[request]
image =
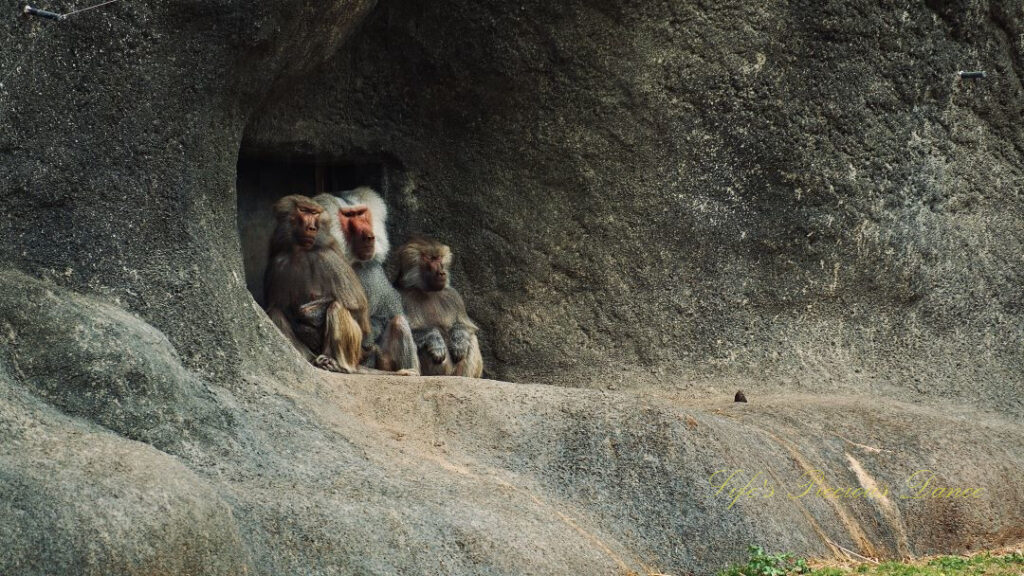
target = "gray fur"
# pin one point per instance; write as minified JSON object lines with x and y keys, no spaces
{"x":432,"y":343}
{"x":385,"y":304}
{"x":462,"y":339}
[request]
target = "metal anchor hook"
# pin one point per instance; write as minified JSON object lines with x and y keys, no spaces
{"x":30,"y":11}
{"x":40,"y":13}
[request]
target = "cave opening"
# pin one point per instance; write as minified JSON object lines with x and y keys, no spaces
{"x":262,"y":179}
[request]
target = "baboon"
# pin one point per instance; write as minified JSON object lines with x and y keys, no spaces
{"x":444,"y":334}
{"x":312,"y":294}
{"x":362,"y":233}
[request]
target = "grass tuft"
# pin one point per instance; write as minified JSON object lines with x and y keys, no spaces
{"x":985,"y":564}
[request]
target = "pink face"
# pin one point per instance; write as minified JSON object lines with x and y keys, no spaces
{"x":357,"y":225}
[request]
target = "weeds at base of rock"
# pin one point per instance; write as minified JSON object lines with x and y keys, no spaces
{"x":982,"y":564}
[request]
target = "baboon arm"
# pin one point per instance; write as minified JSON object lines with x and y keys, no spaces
{"x":377,"y":326}
{"x":285,"y":326}
{"x":462,"y":340}
{"x":362,"y":316}
{"x":398,"y":348}
{"x":472,"y":365}
{"x":372,"y":338}
{"x":459,"y":307}
{"x":313,"y":312}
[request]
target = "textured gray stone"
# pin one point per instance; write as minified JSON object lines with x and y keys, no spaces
{"x":800,"y":192}
{"x":675,"y":200}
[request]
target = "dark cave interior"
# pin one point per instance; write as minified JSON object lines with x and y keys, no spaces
{"x":263,"y":179}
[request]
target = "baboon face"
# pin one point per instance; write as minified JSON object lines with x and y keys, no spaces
{"x":424,"y":265}
{"x":357,"y":225}
{"x":305,"y":221}
{"x":433,"y":272}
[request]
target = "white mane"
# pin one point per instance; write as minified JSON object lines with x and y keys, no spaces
{"x":366,"y":196}
{"x":362,"y":196}
{"x":331,"y":204}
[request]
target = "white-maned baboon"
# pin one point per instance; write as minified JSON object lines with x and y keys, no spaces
{"x":361,"y":232}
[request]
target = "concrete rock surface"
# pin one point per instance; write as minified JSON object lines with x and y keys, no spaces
{"x":651,"y":205}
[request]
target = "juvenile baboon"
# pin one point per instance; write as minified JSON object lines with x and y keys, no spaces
{"x":362,"y":233}
{"x":444,"y":334}
{"x":312,"y":294}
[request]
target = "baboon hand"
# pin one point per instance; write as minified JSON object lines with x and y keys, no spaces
{"x":461,"y":341}
{"x":435,"y":347}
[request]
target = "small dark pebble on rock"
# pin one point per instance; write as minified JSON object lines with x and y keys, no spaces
{"x":740,"y":397}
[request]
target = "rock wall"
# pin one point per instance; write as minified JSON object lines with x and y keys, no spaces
{"x":674,"y":198}
{"x":119,"y":144}
{"x":681,"y":194}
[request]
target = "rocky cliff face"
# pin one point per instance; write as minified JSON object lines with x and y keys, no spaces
{"x":671,"y":199}
{"x":804,"y":193}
